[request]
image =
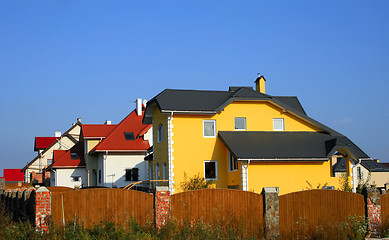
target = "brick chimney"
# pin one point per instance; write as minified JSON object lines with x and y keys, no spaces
{"x":260,"y":84}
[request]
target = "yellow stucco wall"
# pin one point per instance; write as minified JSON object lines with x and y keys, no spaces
{"x":160,"y":148}
{"x":191,"y":149}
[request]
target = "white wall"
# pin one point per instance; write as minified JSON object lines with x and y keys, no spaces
{"x":64,"y":177}
{"x":117,"y":164}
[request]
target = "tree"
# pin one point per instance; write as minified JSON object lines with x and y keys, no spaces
{"x":194,"y":183}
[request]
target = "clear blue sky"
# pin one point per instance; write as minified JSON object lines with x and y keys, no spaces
{"x":60,"y":60}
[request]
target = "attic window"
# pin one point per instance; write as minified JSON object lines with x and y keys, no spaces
{"x":129,"y":135}
{"x":73,"y":155}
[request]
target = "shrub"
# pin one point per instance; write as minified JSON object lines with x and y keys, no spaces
{"x":194,"y":183}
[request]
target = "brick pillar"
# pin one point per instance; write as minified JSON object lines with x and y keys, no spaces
{"x":271,"y":209}
{"x":373,"y":208}
{"x":42,"y":208}
{"x":162,"y":206}
{"x":2,"y":183}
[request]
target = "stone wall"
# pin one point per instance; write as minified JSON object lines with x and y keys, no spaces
{"x":162,"y":206}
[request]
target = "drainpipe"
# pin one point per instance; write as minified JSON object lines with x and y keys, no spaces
{"x":105,"y":167}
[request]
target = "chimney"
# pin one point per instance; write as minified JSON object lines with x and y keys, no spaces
{"x":57,"y":134}
{"x":260,"y":84}
{"x":139,"y":106}
{"x":107,"y":122}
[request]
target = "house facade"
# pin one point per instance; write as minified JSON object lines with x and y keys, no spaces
{"x":33,"y":171}
{"x":243,"y":139}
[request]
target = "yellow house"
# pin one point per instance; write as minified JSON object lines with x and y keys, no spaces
{"x":243,"y":139}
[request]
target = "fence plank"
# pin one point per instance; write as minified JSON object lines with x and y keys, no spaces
{"x":306,"y":210}
{"x":98,"y":205}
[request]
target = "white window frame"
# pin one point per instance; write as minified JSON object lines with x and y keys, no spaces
{"x":216,"y":173}
{"x":283,"y":124}
{"x":214,"y":131}
{"x":245,"y":124}
{"x":160,"y":133}
{"x":230,"y":163}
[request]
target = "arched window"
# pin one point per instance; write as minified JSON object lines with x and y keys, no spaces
{"x":164,"y":171}
{"x":160,"y":133}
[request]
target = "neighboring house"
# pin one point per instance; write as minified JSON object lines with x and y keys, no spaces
{"x":68,"y":168}
{"x":13,"y":175}
{"x":33,"y":171}
{"x":115,"y":153}
{"x":367,"y":171}
{"x":243,"y":139}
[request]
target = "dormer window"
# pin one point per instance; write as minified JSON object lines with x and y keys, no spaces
{"x":129,"y":136}
{"x":160,"y":133}
{"x":74,"y":156}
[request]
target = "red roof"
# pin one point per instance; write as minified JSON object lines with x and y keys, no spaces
{"x":96,"y":130}
{"x":13,"y":175}
{"x":116,"y":140}
{"x":71,"y":158}
{"x":43,"y":142}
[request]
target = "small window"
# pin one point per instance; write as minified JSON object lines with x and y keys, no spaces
{"x":210,"y":170}
{"x":157,"y":171}
{"x":76,"y":179}
{"x":240,"y":123}
{"x":132,"y":174}
{"x":49,"y":162}
{"x":209,"y":127}
{"x":232,"y":162}
{"x":99,"y":175}
{"x":151,"y":173}
{"x":160,"y":133}
{"x":73,"y":156}
{"x":129,"y":136}
{"x":359,"y":174}
{"x":278,"y":124}
{"x":164,"y":169}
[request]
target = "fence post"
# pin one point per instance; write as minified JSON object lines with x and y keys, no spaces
{"x":162,"y":206}
{"x":373,"y":208}
{"x":271,"y":212}
{"x":42,"y":208}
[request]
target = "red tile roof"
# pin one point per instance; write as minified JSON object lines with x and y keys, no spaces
{"x":96,"y":130}
{"x":116,"y":140}
{"x":13,"y":175}
{"x":63,"y":158}
{"x":43,"y":142}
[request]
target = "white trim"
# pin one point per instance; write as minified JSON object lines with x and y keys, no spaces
{"x":170,"y":151}
{"x":283,"y":159}
{"x":244,"y":176}
{"x":214,"y":129}
{"x":245,"y":124}
{"x":216,"y":172}
{"x":283,"y":124}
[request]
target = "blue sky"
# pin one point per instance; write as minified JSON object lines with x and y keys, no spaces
{"x":61,"y":60}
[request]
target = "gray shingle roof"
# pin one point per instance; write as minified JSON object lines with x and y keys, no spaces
{"x":370,"y":165}
{"x":279,"y":145}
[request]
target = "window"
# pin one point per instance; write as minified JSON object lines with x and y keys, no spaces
{"x":151,"y":173}
{"x":132,"y":174}
{"x":240,"y":123}
{"x":209,"y":128}
{"x":157,"y":171}
{"x":232,"y":162}
{"x":164,"y":169}
{"x":76,"y":179}
{"x":74,"y":156}
{"x":359,"y":175}
{"x":160,"y":133}
{"x":129,"y":136}
{"x":99,"y":175}
{"x":210,"y":170}
{"x":49,"y":162}
{"x":278,"y":124}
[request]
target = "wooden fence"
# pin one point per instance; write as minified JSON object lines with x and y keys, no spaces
{"x":92,"y":206}
{"x":305,"y":210}
{"x":385,"y":210}
{"x":221,"y":206}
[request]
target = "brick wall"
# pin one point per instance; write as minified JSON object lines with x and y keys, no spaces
{"x":162,"y":206}
{"x":42,"y":208}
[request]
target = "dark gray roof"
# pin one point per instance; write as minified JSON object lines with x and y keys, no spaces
{"x":370,"y":165}
{"x":291,"y":101}
{"x":279,"y":145}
